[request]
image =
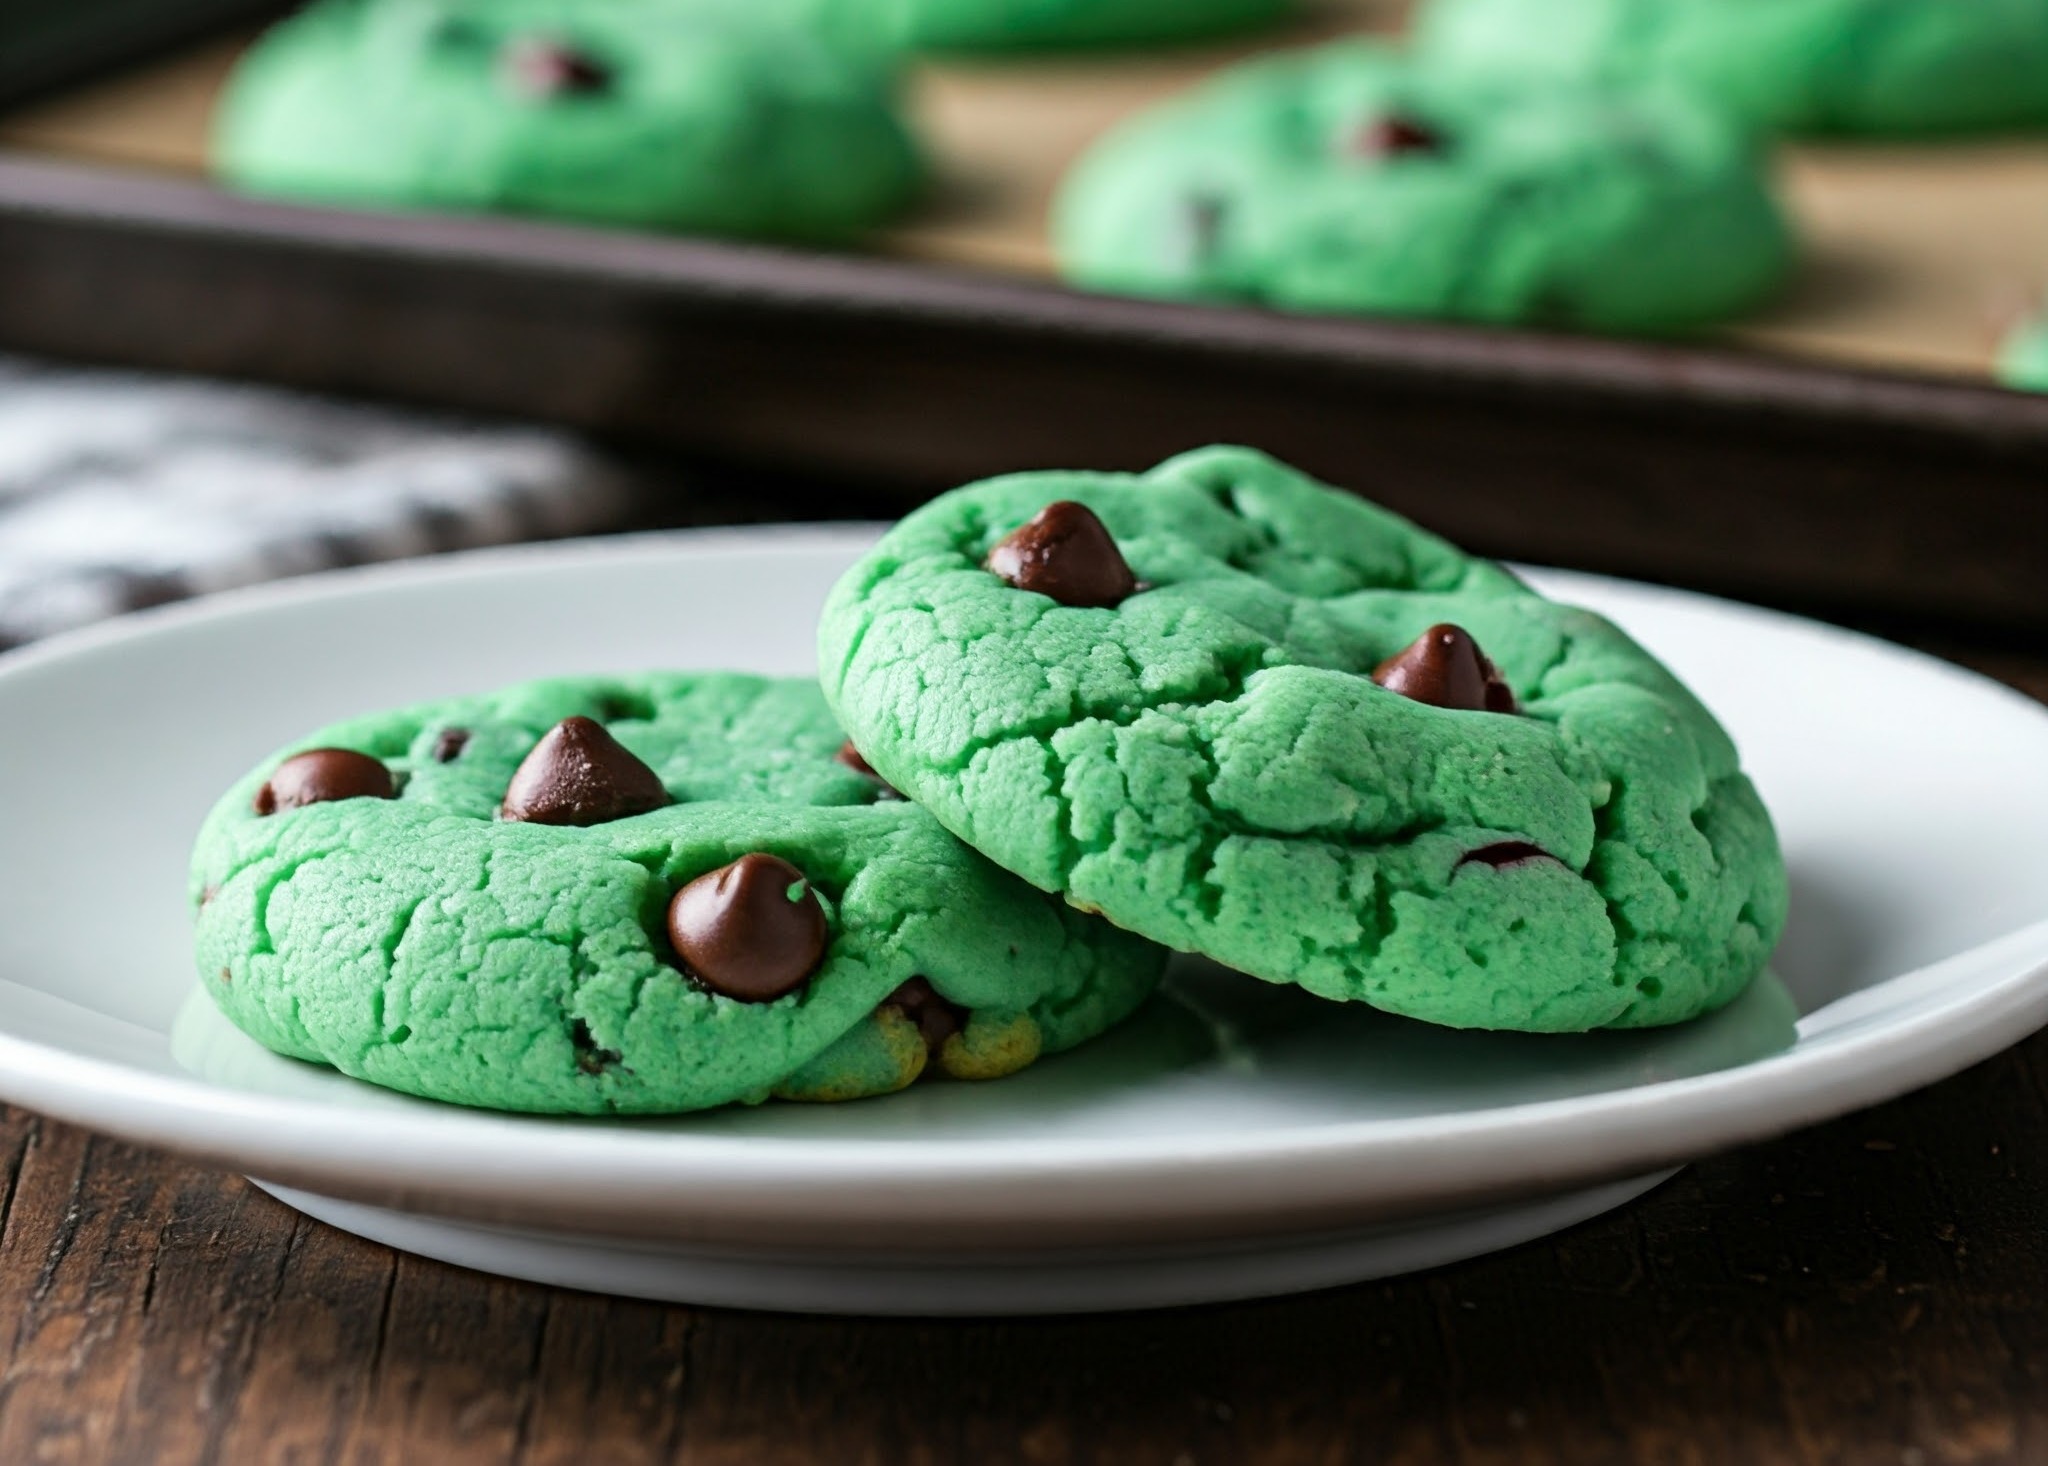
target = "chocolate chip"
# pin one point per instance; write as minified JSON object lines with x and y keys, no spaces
{"x":1391,"y":135}
{"x":1507,"y":852}
{"x":937,"y":1019}
{"x":321,"y":775}
{"x":226,"y":975}
{"x":1066,"y":553}
{"x":449,"y":743}
{"x":1445,"y":668}
{"x":578,"y":774}
{"x":206,"y":896}
{"x":752,"y":930}
{"x":543,"y":69}
{"x":851,"y":757}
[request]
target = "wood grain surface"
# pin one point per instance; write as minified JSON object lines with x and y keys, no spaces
{"x":1917,"y":256}
{"x":1866,"y":1292}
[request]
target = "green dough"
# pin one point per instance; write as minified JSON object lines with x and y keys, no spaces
{"x":2023,"y":359}
{"x":1597,"y":209}
{"x":705,"y":117}
{"x":422,"y":944}
{"x":1210,"y":763}
{"x":886,"y":26}
{"x":1854,"y":66}
{"x":982,"y":25}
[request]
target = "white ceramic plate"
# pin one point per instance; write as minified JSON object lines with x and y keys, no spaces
{"x":1235,"y":1138}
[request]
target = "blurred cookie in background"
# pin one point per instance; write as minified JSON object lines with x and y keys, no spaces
{"x":1805,"y":66}
{"x":700,"y":116}
{"x":1348,"y":178}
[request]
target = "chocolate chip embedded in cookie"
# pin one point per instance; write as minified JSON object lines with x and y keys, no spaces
{"x":541,"y":69}
{"x":853,"y":759}
{"x":752,"y":930}
{"x":1064,"y":552}
{"x":936,"y":1019}
{"x":1391,"y":135}
{"x":320,"y":775}
{"x":578,"y":774}
{"x":1445,"y":668}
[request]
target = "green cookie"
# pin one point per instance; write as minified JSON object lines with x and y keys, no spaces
{"x":1855,"y":66}
{"x":1346,"y":179}
{"x":1208,"y":760}
{"x":987,"y":25}
{"x":670,"y":114}
{"x":426,"y":943}
{"x":2023,"y":359}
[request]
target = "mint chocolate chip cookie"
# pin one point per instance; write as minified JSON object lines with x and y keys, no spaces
{"x":1246,"y":715}
{"x":1348,"y":179}
{"x":630,"y":896}
{"x":1818,"y":66}
{"x":665,"y":114}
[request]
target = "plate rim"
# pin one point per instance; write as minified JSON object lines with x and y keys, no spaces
{"x":1356,"y":1167}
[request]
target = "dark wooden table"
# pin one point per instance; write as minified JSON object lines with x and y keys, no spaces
{"x":1869,"y":1291}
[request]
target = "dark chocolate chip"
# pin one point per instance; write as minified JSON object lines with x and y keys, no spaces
{"x":1391,"y":135}
{"x":752,"y":930}
{"x":1445,"y":668}
{"x":544,"y":69}
{"x":449,"y":743}
{"x":226,"y":975}
{"x":851,"y":757}
{"x":937,"y":1018}
{"x":320,"y":775}
{"x":1066,"y":553}
{"x":206,"y":896}
{"x":1506,"y":852}
{"x":578,"y":774}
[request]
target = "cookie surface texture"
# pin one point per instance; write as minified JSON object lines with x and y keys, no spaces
{"x":1346,"y":179}
{"x":1815,"y":66}
{"x":662,"y":114}
{"x":1532,"y":825}
{"x":503,"y":922}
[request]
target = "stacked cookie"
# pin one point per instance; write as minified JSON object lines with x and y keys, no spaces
{"x":1217,"y":708}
